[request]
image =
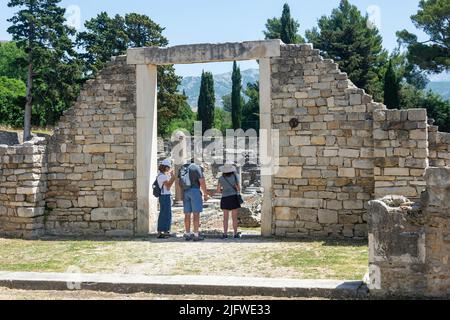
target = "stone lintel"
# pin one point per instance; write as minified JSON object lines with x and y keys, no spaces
{"x":205,"y":52}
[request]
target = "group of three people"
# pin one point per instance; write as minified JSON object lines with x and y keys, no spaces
{"x":194,"y":195}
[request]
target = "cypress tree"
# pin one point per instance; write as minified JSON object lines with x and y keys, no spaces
{"x":288,"y":28}
{"x":236,"y":100}
{"x":206,"y":101}
{"x":391,"y":88}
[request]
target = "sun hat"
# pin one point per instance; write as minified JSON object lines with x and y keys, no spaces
{"x":166,"y":163}
{"x":227,"y":168}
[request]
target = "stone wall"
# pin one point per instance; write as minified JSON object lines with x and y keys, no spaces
{"x":409,"y":243}
{"x":91,"y":181}
{"x":400,"y":152}
{"x":326,"y":166}
{"x":439,"y":144}
{"x":23,"y":183}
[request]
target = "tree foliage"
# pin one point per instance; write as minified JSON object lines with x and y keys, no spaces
{"x":391,"y":88}
{"x":236,"y":97}
{"x":250,"y":111}
{"x":346,"y":37}
{"x":206,"y":101}
{"x":12,"y":61}
{"x":12,"y":100}
{"x":53,"y":68}
{"x":107,"y":36}
{"x":433,"y":18}
{"x":284,"y":28}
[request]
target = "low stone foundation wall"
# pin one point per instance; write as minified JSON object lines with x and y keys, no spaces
{"x":23,"y":183}
{"x":409,"y":243}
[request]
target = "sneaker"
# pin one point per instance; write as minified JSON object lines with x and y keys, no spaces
{"x":161,"y":236}
{"x":199,"y":238}
{"x":224,"y":236}
{"x":237,"y":235}
{"x":187,"y":237}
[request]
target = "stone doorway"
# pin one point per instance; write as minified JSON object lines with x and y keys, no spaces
{"x":146,"y":61}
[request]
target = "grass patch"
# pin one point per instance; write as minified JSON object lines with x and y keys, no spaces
{"x":251,"y":258}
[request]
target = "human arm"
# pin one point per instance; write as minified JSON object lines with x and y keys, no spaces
{"x":169,"y":183}
{"x":203,"y":188}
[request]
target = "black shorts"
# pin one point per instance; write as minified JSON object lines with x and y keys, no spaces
{"x":230,"y":203}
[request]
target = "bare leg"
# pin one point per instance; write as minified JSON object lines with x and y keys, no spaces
{"x":196,"y":222}
{"x":187,"y":223}
{"x":225,"y":221}
{"x":235,"y":220}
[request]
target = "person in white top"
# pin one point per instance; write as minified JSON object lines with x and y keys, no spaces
{"x":165,"y":179}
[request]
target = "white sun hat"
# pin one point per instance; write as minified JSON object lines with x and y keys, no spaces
{"x":227,"y":168}
{"x":166,"y":163}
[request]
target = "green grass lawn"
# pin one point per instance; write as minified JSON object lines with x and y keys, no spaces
{"x":246,"y":257}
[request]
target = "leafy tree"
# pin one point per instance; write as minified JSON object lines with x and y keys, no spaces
{"x":346,"y":37}
{"x":39,"y":29}
{"x":433,"y":18}
{"x":284,"y":28}
{"x":437,"y":108}
{"x":206,"y":101}
{"x":250,"y":111}
{"x":391,"y":88}
{"x":226,"y":99}
{"x":12,"y":99}
{"x":12,"y":61}
{"x":236,"y":98}
{"x":106,"y":37}
{"x":222,"y":120}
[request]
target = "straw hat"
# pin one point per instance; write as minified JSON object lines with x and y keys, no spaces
{"x":227,"y":168}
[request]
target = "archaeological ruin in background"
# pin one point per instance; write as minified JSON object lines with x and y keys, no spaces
{"x":338,"y":150}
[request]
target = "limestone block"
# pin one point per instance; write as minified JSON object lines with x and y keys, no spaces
{"x":349,"y":153}
{"x":318,"y":141}
{"x":113,"y":175}
{"x":419,"y":134}
{"x":97,"y":148}
{"x":300,"y":141}
{"x":353,"y":204}
{"x":308,"y":151}
{"x":289,"y":172}
{"x":327,"y":216}
{"x":396,"y":171}
{"x":417,"y":114}
{"x":112,"y":214}
{"x":301,"y":95}
{"x":346,"y":172}
{"x":63,"y":204}
{"x":30,"y":212}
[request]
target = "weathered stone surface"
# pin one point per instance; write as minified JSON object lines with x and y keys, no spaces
{"x":112,"y":214}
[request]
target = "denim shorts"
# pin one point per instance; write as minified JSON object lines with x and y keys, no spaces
{"x":193,"y":201}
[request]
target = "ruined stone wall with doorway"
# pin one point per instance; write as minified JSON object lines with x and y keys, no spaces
{"x":91,"y":158}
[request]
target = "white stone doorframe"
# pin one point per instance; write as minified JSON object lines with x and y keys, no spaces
{"x":146,"y":60}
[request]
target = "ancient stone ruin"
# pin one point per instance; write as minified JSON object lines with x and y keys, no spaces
{"x":409,"y":242}
{"x":338,"y":149}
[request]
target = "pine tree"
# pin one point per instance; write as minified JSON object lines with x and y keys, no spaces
{"x":206,"y":101}
{"x":346,"y":37}
{"x":53,"y":71}
{"x":236,"y":98}
{"x":391,"y":88}
{"x":284,"y":28}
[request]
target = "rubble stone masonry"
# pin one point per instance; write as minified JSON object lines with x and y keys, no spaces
{"x":345,"y":150}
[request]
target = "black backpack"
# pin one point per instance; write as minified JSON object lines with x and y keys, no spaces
{"x":156,"y":188}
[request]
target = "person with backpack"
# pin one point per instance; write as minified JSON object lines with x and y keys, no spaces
{"x":231,"y":199}
{"x":192,"y":181}
{"x":161,"y":189}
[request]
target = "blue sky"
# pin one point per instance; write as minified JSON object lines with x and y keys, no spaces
{"x":199,"y":21}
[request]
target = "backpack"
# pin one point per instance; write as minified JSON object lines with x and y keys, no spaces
{"x":156,"y":189}
{"x":183,"y":175}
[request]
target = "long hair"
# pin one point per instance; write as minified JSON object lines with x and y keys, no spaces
{"x":163,"y":169}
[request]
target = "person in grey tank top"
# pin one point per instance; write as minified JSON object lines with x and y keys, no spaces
{"x":229,"y":187}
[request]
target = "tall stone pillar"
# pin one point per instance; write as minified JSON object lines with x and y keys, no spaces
{"x":146,"y":147}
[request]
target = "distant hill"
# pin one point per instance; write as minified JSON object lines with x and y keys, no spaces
{"x":440,"y":87}
{"x":222,"y":85}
